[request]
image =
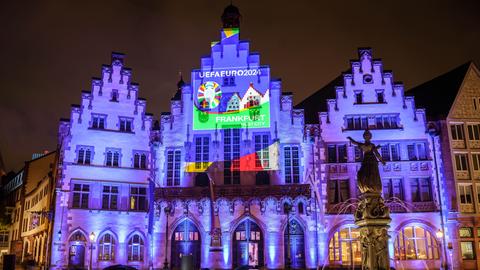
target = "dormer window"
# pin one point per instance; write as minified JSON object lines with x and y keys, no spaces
{"x":114,"y":96}
{"x":358,"y":97}
{"x":98,"y":121}
{"x":125,"y":124}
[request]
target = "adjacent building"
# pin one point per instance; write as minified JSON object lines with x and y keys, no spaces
{"x":452,"y":101}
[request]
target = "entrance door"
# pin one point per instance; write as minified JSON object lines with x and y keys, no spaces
{"x":248,"y":245}
{"x":297,"y":245}
{"x":76,"y":256}
{"x":185,"y":241}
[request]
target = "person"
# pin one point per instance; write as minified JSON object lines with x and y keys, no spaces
{"x":368,"y":177}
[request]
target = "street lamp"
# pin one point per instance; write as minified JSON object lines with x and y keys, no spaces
{"x":287,"y":207}
{"x":167,"y":210}
{"x":92,"y":238}
{"x":433,"y":132}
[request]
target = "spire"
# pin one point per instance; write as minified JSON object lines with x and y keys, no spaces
{"x":180,"y":84}
{"x":231,"y":17}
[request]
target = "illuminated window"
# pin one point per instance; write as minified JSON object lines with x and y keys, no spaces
{"x":344,"y":247}
{"x":291,"y":164}
{"x":78,"y":236}
{"x":461,"y":162}
{"x":173,"y":167}
{"x":4,"y":238}
{"x":392,"y":188}
{"x":202,"y":147}
{"x":80,"y":196}
{"x":135,"y":248}
{"x":98,"y":121}
{"x":415,"y":243}
{"x":416,"y":151}
{"x":112,"y":157}
{"x":231,"y":154}
{"x":109,"y":197}
{"x":467,"y":250}
{"x":391,"y":152}
{"x":262,"y":159}
{"x":84,"y":154}
{"x":125,"y":124}
{"x":421,"y":189}
{"x":474,"y":132}
{"x":106,"y":248}
{"x":140,"y":160}
{"x":114,"y":96}
{"x":337,"y":153}
{"x":476,"y":162}
{"x":338,"y":191}
{"x":457,"y":132}
{"x":466,"y":197}
{"x":138,"y":198}
{"x":465,"y":232}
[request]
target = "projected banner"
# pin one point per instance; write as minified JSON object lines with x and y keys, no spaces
{"x":214,"y":109}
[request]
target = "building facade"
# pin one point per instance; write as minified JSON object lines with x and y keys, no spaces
{"x":455,"y":120}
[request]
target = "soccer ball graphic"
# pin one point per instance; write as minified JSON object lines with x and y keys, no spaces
{"x":209,"y":95}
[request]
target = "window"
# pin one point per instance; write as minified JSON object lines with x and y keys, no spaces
{"x":357,"y":122}
{"x":112,"y":157}
{"x":338,"y":191}
{"x":358,"y":154}
{"x":345,"y":246}
{"x":465,"y":232}
{"x":466,"y":199}
{"x":393,"y":188}
{"x":421,"y":189}
{"x":262,"y":159}
{"x":229,"y":81}
{"x":367,"y":78}
{"x":415,"y":243}
{"x":4,"y":238}
{"x":125,"y":124}
{"x":380,"y":97}
{"x":106,"y":248}
{"x":135,"y":248}
{"x":416,"y":151}
{"x":173,"y":167}
{"x":461,"y":162}
{"x":202,"y":154}
{"x":114,"y":96}
{"x":80,"y":196}
{"x":337,"y":153}
{"x":474,"y":132}
{"x":457,"y":132}
{"x":391,"y":152}
{"x":231,"y":154}
{"x":84,"y":154}
{"x":140,"y":160}
{"x":301,"y":209}
{"x":467,"y":250}
{"x":386,"y":121}
{"x":98,"y":121}
{"x":138,"y":198}
{"x":109,"y":197}
{"x":291,"y":164}
{"x":476,"y":103}
{"x":358,"y":98}
{"x":476,"y":162}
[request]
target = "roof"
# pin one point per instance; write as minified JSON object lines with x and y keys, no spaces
{"x":445,"y":86}
{"x":317,"y":102}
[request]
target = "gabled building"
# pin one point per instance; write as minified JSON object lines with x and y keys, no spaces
{"x":367,"y":97}
{"x":452,"y":101}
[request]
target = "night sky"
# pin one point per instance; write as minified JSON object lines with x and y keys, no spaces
{"x":51,"y":49}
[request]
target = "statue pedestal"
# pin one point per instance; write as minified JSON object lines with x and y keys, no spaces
{"x":373,"y":220}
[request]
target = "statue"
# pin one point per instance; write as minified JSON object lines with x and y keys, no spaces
{"x":368,"y":176}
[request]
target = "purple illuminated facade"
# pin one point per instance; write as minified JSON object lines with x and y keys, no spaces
{"x":283,"y":177}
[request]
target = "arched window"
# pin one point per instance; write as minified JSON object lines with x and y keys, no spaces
{"x":106,"y":248}
{"x":344,"y":247}
{"x":295,"y":241}
{"x":78,"y":236}
{"x":185,"y":241}
{"x":135,"y":248}
{"x":415,"y":243}
{"x":248,"y":245}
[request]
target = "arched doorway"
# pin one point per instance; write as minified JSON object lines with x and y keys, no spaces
{"x":247,"y":245}
{"x":185,"y":241}
{"x":76,"y":255}
{"x":297,"y":245}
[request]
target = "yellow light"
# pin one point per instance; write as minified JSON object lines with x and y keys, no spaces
{"x":439,"y":233}
{"x":92,"y":236}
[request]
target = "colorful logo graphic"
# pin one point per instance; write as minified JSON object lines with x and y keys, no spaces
{"x":209,"y":95}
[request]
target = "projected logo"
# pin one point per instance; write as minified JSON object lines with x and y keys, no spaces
{"x":216,"y":110}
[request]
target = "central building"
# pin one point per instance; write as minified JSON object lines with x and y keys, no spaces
{"x":233,"y":135}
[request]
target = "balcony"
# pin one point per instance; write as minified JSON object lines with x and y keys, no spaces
{"x":233,"y":191}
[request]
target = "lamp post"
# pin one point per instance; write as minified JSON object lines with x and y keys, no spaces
{"x":92,"y":238}
{"x":288,"y":207}
{"x":432,"y":131}
{"x":167,"y":210}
